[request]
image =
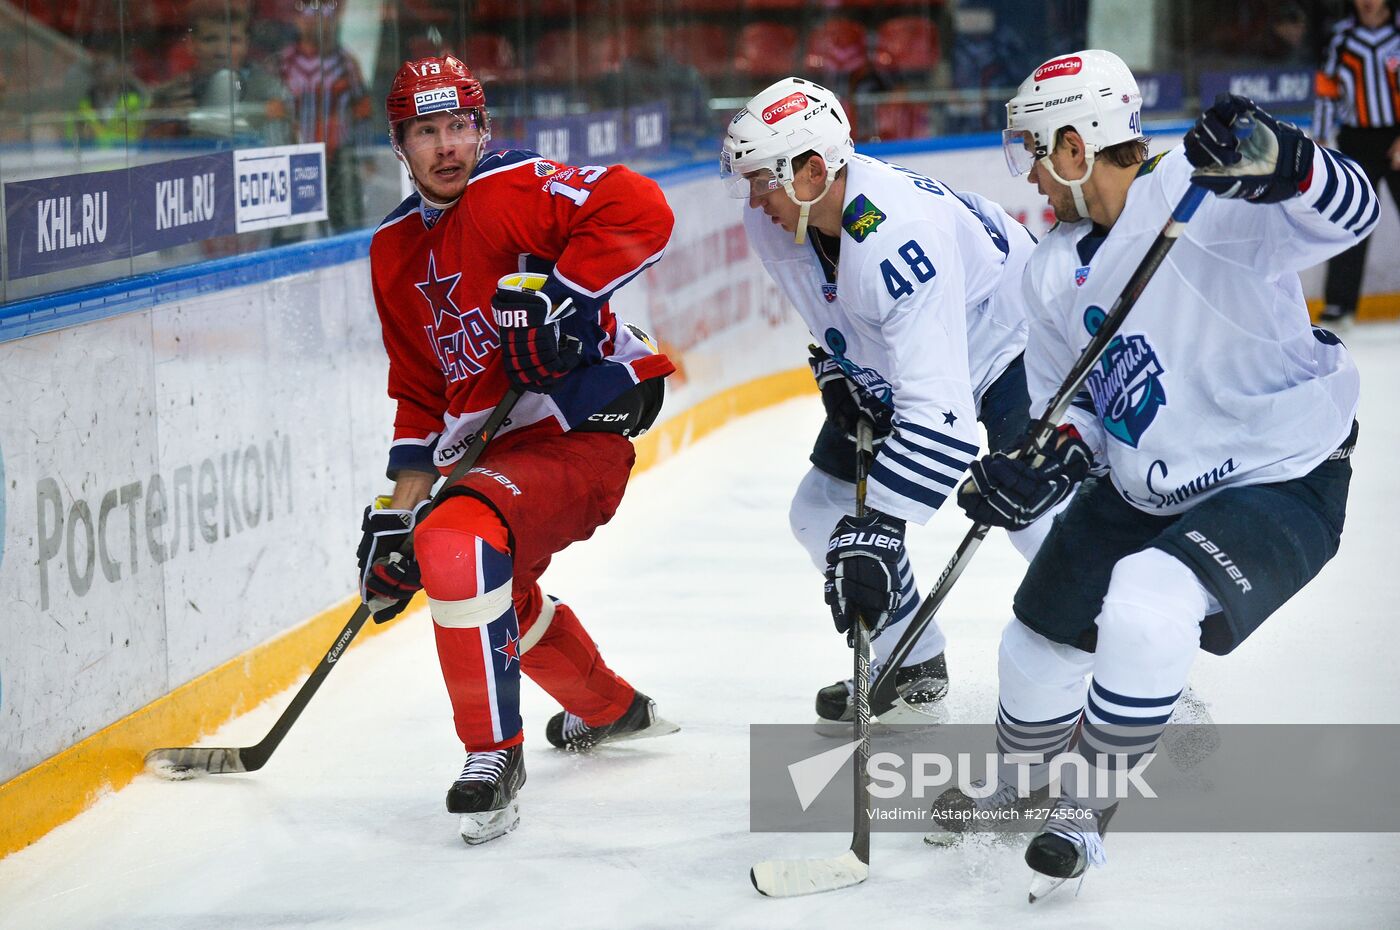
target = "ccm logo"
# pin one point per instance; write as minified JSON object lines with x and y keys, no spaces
{"x":792,"y":103}
{"x":609,"y":418}
{"x":512,"y":319}
{"x":1060,"y":67}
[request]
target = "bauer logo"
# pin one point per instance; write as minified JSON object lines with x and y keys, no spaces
{"x":792,"y":103}
{"x":1060,"y":67}
{"x":431,"y":101}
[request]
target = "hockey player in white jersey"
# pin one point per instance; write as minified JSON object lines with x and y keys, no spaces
{"x":912,"y":293}
{"x":1219,"y":421}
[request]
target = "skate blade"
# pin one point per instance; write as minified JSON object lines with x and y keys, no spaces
{"x":659,"y":726}
{"x":834,"y":729}
{"x":1043,"y":885}
{"x":903,"y":713}
{"x":484,"y":826}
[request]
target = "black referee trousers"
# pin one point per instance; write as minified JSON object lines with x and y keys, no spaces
{"x":1368,"y":148}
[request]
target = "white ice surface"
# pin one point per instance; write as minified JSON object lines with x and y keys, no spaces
{"x":698,"y":596}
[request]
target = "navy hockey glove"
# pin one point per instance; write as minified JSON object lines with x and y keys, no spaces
{"x":862,"y":571}
{"x":845,"y":401}
{"x":536,"y":355}
{"x":388,"y":578}
{"x":1012,"y":493}
{"x":1267,"y":167}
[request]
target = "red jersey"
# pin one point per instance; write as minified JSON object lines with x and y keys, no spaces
{"x":590,"y":229}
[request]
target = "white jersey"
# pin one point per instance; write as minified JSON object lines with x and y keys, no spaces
{"x":1217,"y":377}
{"x":925,"y":313}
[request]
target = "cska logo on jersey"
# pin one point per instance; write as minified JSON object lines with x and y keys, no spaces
{"x":1126,"y":385}
{"x":460,"y":340}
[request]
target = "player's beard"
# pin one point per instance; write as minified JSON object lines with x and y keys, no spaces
{"x":1062,"y":203}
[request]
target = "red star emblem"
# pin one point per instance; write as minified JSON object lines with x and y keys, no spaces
{"x":438,"y":292}
{"x":510,"y":649}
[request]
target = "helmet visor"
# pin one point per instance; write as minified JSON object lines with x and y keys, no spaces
{"x":451,"y":129}
{"x":1019,"y":147}
{"x":751,"y":185}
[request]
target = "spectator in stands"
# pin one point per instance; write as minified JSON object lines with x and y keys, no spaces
{"x":106,"y":105}
{"x":648,"y":75}
{"x":1358,"y":101}
{"x":1282,"y":40}
{"x":223,"y":95}
{"x":330,"y":104}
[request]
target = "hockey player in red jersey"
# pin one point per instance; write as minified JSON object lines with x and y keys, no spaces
{"x":497,"y":272}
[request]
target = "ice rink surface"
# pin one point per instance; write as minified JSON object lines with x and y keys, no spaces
{"x":698,"y":596}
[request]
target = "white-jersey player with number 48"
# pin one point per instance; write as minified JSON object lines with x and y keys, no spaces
{"x":912,"y":292}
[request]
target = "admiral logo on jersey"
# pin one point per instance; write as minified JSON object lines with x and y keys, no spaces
{"x":459,"y":340}
{"x":1126,"y":388}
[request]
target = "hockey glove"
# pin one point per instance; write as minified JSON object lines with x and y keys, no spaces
{"x":536,"y":355}
{"x":845,"y":401}
{"x":1011,"y":493}
{"x":1267,"y":167}
{"x":388,"y":578}
{"x":862,"y":571}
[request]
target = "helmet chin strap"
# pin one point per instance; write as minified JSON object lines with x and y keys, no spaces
{"x":1076,"y":188}
{"x":806,"y":205}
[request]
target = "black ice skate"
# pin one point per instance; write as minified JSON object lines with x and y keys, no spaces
{"x":956,"y":814}
{"x":921,"y":690}
{"x":640,"y":720}
{"x":1070,"y":841}
{"x":484,"y":794}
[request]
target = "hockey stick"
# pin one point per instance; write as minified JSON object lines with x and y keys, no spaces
{"x":186,"y":762}
{"x":883,"y":691}
{"x":786,"y":878}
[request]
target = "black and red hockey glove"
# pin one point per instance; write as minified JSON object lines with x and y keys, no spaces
{"x":537,"y":356}
{"x":1012,"y":493}
{"x":388,"y":578}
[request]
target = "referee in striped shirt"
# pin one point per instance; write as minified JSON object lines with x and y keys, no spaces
{"x":1358,"y":98}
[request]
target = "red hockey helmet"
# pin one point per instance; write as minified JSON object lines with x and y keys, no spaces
{"x":435,"y":85}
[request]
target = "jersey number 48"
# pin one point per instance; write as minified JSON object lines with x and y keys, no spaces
{"x":919,"y":265}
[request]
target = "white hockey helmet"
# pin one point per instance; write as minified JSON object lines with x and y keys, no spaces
{"x":1092,"y":91}
{"x":780,"y":123}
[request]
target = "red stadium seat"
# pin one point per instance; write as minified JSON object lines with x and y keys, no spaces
{"x":556,"y":56}
{"x":765,"y":49}
{"x":836,"y":46}
{"x":703,"y":47}
{"x":491,"y":57}
{"x":906,"y":43}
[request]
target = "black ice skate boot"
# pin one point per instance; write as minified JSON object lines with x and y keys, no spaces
{"x":1070,"y":841}
{"x":921,"y":689}
{"x":484,"y":794}
{"x":640,"y":720}
{"x":956,"y":814}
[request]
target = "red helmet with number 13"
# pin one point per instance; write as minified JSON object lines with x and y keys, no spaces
{"x":437,"y":85}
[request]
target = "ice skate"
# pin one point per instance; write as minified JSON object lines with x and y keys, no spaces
{"x":956,"y":813}
{"x":1070,"y":841}
{"x":921,"y":690}
{"x":484,"y":794}
{"x":639,"y":721}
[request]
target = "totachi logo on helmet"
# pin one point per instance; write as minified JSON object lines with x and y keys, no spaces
{"x":1060,"y":67}
{"x":792,"y":103}
{"x":431,"y":101}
